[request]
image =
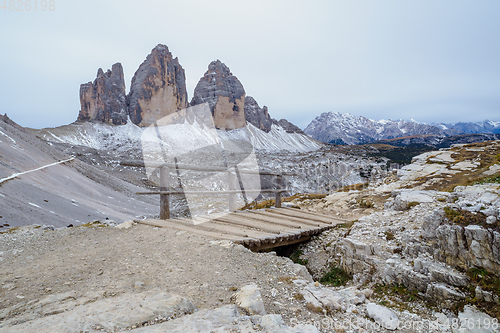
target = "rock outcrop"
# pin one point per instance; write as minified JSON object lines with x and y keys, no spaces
{"x":257,"y":116}
{"x":289,"y":127}
{"x":158,"y":88}
{"x":224,"y":93}
{"x":104,"y":100}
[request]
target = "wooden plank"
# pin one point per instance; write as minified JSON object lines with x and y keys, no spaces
{"x":297,"y":213}
{"x":248,"y":231}
{"x":201,"y":219}
{"x":181,"y":227}
{"x":213,"y":226}
{"x":274,"y":219}
{"x":260,"y":225}
{"x":318,"y":214}
{"x":303,"y":221}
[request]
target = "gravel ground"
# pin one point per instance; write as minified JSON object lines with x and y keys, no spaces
{"x":108,"y":261}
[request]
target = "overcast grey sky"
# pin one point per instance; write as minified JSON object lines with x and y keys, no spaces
{"x":423,"y":59}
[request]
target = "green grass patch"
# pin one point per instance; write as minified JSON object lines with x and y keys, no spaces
{"x":488,"y":282}
{"x":464,"y":218}
{"x":296,"y":257}
{"x":335,"y":277}
{"x":400,"y":290}
{"x":485,"y":280}
{"x":490,"y":180}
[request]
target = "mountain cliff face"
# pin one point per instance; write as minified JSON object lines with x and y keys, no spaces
{"x":257,"y":116}
{"x":158,"y":88}
{"x":104,"y":100}
{"x":344,"y":128}
{"x":225,"y":95}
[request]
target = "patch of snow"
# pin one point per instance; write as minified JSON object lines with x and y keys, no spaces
{"x":8,"y":137}
{"x":40,"y":168}
{"x":126,"y":137}
{"x":55,"y":136}
{"x":443,"y":126}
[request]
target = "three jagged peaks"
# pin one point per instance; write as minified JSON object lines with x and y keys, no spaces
{"x":158,"y":89}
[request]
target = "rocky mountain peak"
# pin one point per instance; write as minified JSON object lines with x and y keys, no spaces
{"x":104,"y":99}
{"x":225,"y":95}
{"x":158,"y":88}
{"x":219,"y":67}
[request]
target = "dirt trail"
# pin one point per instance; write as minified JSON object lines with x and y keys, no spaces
{"x":107,"y":261}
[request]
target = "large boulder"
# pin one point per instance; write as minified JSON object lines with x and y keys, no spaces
{"x":158,"y":88}
{"x":104,"y":100}
{"x":225,"y":95}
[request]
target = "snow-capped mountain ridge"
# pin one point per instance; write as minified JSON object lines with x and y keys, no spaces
{"x":486,"y":126}
{"x":344,"y":128}
{"x":128,"y":137}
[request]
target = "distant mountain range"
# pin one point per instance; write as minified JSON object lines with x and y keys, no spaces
{"x":486,"y":126}
{"x":344,"y":128}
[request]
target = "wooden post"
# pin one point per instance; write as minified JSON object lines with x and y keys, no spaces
{"x":278,"y":194}
{"x":232,"y":186}
{"x":164,"y":198}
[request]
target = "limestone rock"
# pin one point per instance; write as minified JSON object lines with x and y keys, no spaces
{"x":158,"y":88}
{"x":249,"y":298}
{"x":226,"y":319}
{"x":322,"y":297}
{"x":104,"y":100}
{"x":432,"y":222}
{"x":225,"y":95}
{"x":257,"y":116}
{"x":443,"y":294}
{"x":110,"y":314}
{"x":382,"y":315}
{"x":404,"y":199}
{"x":302,"y":271}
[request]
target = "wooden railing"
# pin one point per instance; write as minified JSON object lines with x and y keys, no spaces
{"x":165,"y":192}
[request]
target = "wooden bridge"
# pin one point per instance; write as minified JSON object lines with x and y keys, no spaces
{"x":255,"y":229}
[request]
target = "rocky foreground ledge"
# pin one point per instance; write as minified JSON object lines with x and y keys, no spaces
{"x":99,"y":278}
